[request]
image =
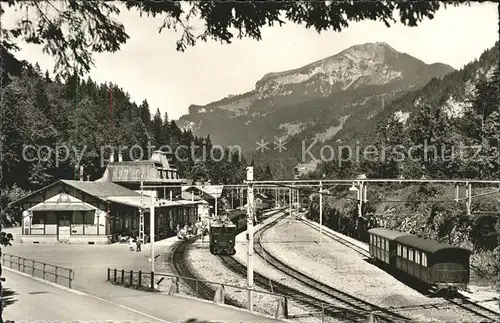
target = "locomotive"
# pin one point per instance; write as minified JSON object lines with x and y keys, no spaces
{"x":438,"y":266}
{"x":223,"y":231}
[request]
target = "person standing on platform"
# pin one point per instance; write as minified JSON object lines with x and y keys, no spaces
{"x":138,"y":244}
{"x":131,"y":244}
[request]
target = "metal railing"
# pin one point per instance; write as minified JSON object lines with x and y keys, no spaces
{"x":173,"y":284}
{"x":39,"y":269}
{"x":286,"y":306}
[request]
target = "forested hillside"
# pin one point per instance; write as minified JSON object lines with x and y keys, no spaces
{"x":81,"y":116}
{"x":461,"y":110}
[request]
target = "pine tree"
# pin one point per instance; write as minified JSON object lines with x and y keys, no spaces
{"x":157,"y":129}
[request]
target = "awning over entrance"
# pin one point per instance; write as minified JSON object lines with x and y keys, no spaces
{"x":135,"y":201}
{"x":62,"y":207}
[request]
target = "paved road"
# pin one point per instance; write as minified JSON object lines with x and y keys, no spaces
{"x":27,"y":299}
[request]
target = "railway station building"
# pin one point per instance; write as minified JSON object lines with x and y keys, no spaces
{"x":97,"y":212}
{"x":208,"y":193}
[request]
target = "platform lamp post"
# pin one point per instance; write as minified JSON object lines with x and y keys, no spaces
{"x":250,"y":217}
{"x":360,"y":188}
{"x":295,"y":177}
{"x":320,"y":213}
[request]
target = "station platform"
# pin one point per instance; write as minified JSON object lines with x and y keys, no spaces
{"x":31,"y":299}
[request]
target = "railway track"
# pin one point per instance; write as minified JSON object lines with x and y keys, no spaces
{"x":480,"y":311}
{"x":352,"y":309}
{"x":362,"y":251}
{"x":483,"y":313}
{"x":181,"y":268}
{"x":314,"y":304}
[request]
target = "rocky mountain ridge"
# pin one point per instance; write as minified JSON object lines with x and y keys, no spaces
{"x":315,"y":101}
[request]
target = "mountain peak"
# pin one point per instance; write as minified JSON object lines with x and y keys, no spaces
{"x":338,"y":93}
{"x":378,"y":52}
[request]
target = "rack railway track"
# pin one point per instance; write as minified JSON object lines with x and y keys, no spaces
{"x":181,"y":268}
{"x":352,"y":309}
{"x":482,"y":312}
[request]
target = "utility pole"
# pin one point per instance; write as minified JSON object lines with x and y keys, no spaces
{"x":250,"y":217}
{"x":152,"y":232}
{"x":321,"y":212}
{"x":216,"y":192}
{"x":360,"y":199}
{"x":298,"y":200}
{"x":290,"y":200}
{"x":141,"y":216}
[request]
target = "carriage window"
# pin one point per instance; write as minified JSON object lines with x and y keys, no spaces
{"x":424,"y":259}
{"x":404,"y":252}
{"x":417,"y":256}
{"x":371,"y":239}
{"x":386,"y":244}
{"x":411,"y":254}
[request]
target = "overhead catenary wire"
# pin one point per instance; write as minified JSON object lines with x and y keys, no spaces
{"x":300,"y":187}
{"x":392,"y":201}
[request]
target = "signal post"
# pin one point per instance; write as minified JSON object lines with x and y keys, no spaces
{"x":250,"y":217}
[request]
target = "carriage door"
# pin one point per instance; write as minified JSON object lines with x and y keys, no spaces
{"x":64,"y":227}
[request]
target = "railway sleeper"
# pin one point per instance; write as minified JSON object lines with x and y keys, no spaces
{"x":446,"y":290}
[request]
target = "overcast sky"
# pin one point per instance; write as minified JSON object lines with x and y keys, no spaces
{"x":149,"y":67}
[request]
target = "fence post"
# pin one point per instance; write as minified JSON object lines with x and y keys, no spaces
{"x":43,"y":274}
{"x":109,"y":274}
{"x":71,"y":277}
{"x":322,"y":313}
{"x":131,"y":278}
{"x":33,"y":269}
{"x":140,"y":279}
{"x":152,"y":279}
{"x":18,"y":264}
{"x":123,"y":276}
{"x":114,"y":278}
{"x":56,"y":274}
{"x":196,"y":291}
